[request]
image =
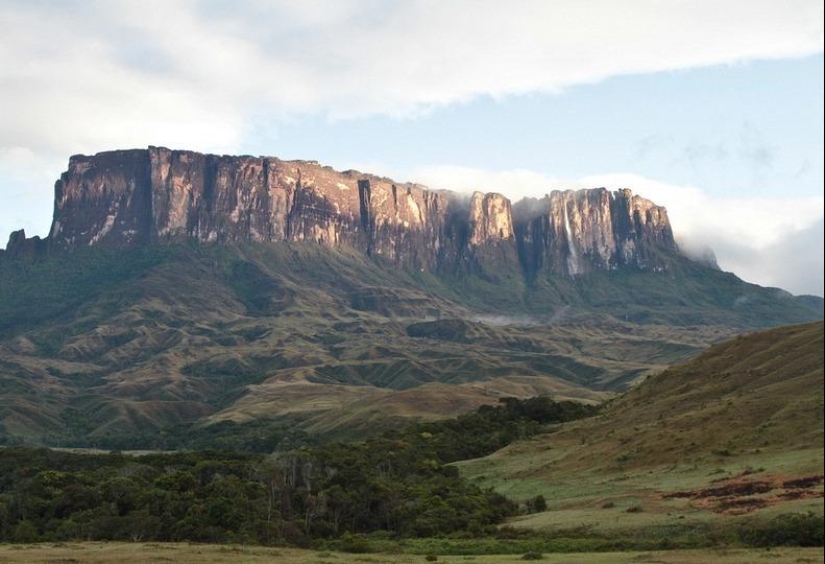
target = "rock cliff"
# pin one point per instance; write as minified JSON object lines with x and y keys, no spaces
{"x":573,"y":232}
{"x":156,"y":195}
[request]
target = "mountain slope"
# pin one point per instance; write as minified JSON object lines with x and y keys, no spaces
{"x":737,"y":431}
{"x":99,"y":344}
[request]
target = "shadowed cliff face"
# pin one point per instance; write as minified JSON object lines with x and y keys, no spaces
{"x":156,"y":195}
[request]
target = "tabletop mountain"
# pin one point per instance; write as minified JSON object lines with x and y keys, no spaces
{"x":128,"y":198}
{"x":176,"y":288}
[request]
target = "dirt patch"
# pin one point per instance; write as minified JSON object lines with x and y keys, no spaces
{"x":737,"y":489}
{"x":804,"y":482}
{"x":740,"y":494}
{"x":730,"y":489}
{"x":800,"y":494}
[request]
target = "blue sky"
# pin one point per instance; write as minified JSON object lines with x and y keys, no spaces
{"x":749,"y":129}
{"x":713,"y":109}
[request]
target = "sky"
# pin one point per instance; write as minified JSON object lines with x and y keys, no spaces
{"x":713,"y":109}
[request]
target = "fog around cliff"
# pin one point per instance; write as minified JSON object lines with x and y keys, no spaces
{"x":768,"y":241}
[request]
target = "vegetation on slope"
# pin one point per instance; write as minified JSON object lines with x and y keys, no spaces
{"x":126,"y":349}
{"x":37,"y":292}
{"x":730,"y":441}
{"x":382,"y":494}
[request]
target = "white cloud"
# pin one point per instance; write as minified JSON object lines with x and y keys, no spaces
{"x":768,"y":241}
{"x":91,"y":75}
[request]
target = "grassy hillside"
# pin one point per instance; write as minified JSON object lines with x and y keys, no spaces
{"x":98,"y":346}
{"x":733,"y":436}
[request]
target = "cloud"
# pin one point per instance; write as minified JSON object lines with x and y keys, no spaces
{"x":768,"y":241}
{"x":698,"y":155}
{"x":101,"y":74}
{"x":794,"y":261}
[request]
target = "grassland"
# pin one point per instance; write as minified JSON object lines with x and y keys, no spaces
{"x":731,"y":439}
{"x":722,"y":452}
{"x":134,"y":553}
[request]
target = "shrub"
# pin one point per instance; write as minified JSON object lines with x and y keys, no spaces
{"x":788,"y":529}
{"x":356,"y":544}
{"x":536,"y":504}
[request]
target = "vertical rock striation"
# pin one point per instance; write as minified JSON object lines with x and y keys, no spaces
{"x":104,"y":199}
{"x":156,"y":195}
{"x":573,"y":232}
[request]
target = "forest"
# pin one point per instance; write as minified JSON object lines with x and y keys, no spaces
{"x":399,"y":482}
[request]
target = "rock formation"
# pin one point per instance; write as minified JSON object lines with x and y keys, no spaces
{"x":573,"y":232}
{"x":156,"y":195}
{"x":21,"y":247}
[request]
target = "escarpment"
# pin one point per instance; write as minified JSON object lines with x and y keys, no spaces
{"x":137,"y":197}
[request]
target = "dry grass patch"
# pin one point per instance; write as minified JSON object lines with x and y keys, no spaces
{"x":140,"y":553}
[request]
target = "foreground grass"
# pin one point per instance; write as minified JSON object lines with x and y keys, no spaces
{"x":128,"y":553}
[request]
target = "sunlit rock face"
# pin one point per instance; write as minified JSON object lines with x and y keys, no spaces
{"x":573,"y":232}
{"x":490,"y":218}
{"x":156,"y":195}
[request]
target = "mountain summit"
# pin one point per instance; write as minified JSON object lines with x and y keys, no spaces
{"x":135,"y":197}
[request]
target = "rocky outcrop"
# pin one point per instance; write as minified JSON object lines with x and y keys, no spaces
{"x":156,"y":195}
{"x":21,"y":247}
{"x":105,"y":199}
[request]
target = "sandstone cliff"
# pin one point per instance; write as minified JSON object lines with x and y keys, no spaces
{"x":573,"y":232}
{"x":156,"y":195}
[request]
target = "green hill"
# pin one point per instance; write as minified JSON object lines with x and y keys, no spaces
{"x":734,"y":435}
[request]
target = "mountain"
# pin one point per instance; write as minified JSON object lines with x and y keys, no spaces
{"x":736,"y":432}
{"x":180,"y":293}
{"x":123,"y":199}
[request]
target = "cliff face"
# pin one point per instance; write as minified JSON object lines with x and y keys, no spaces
{"x":573,"y":232}
{"x":156,"y":195}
